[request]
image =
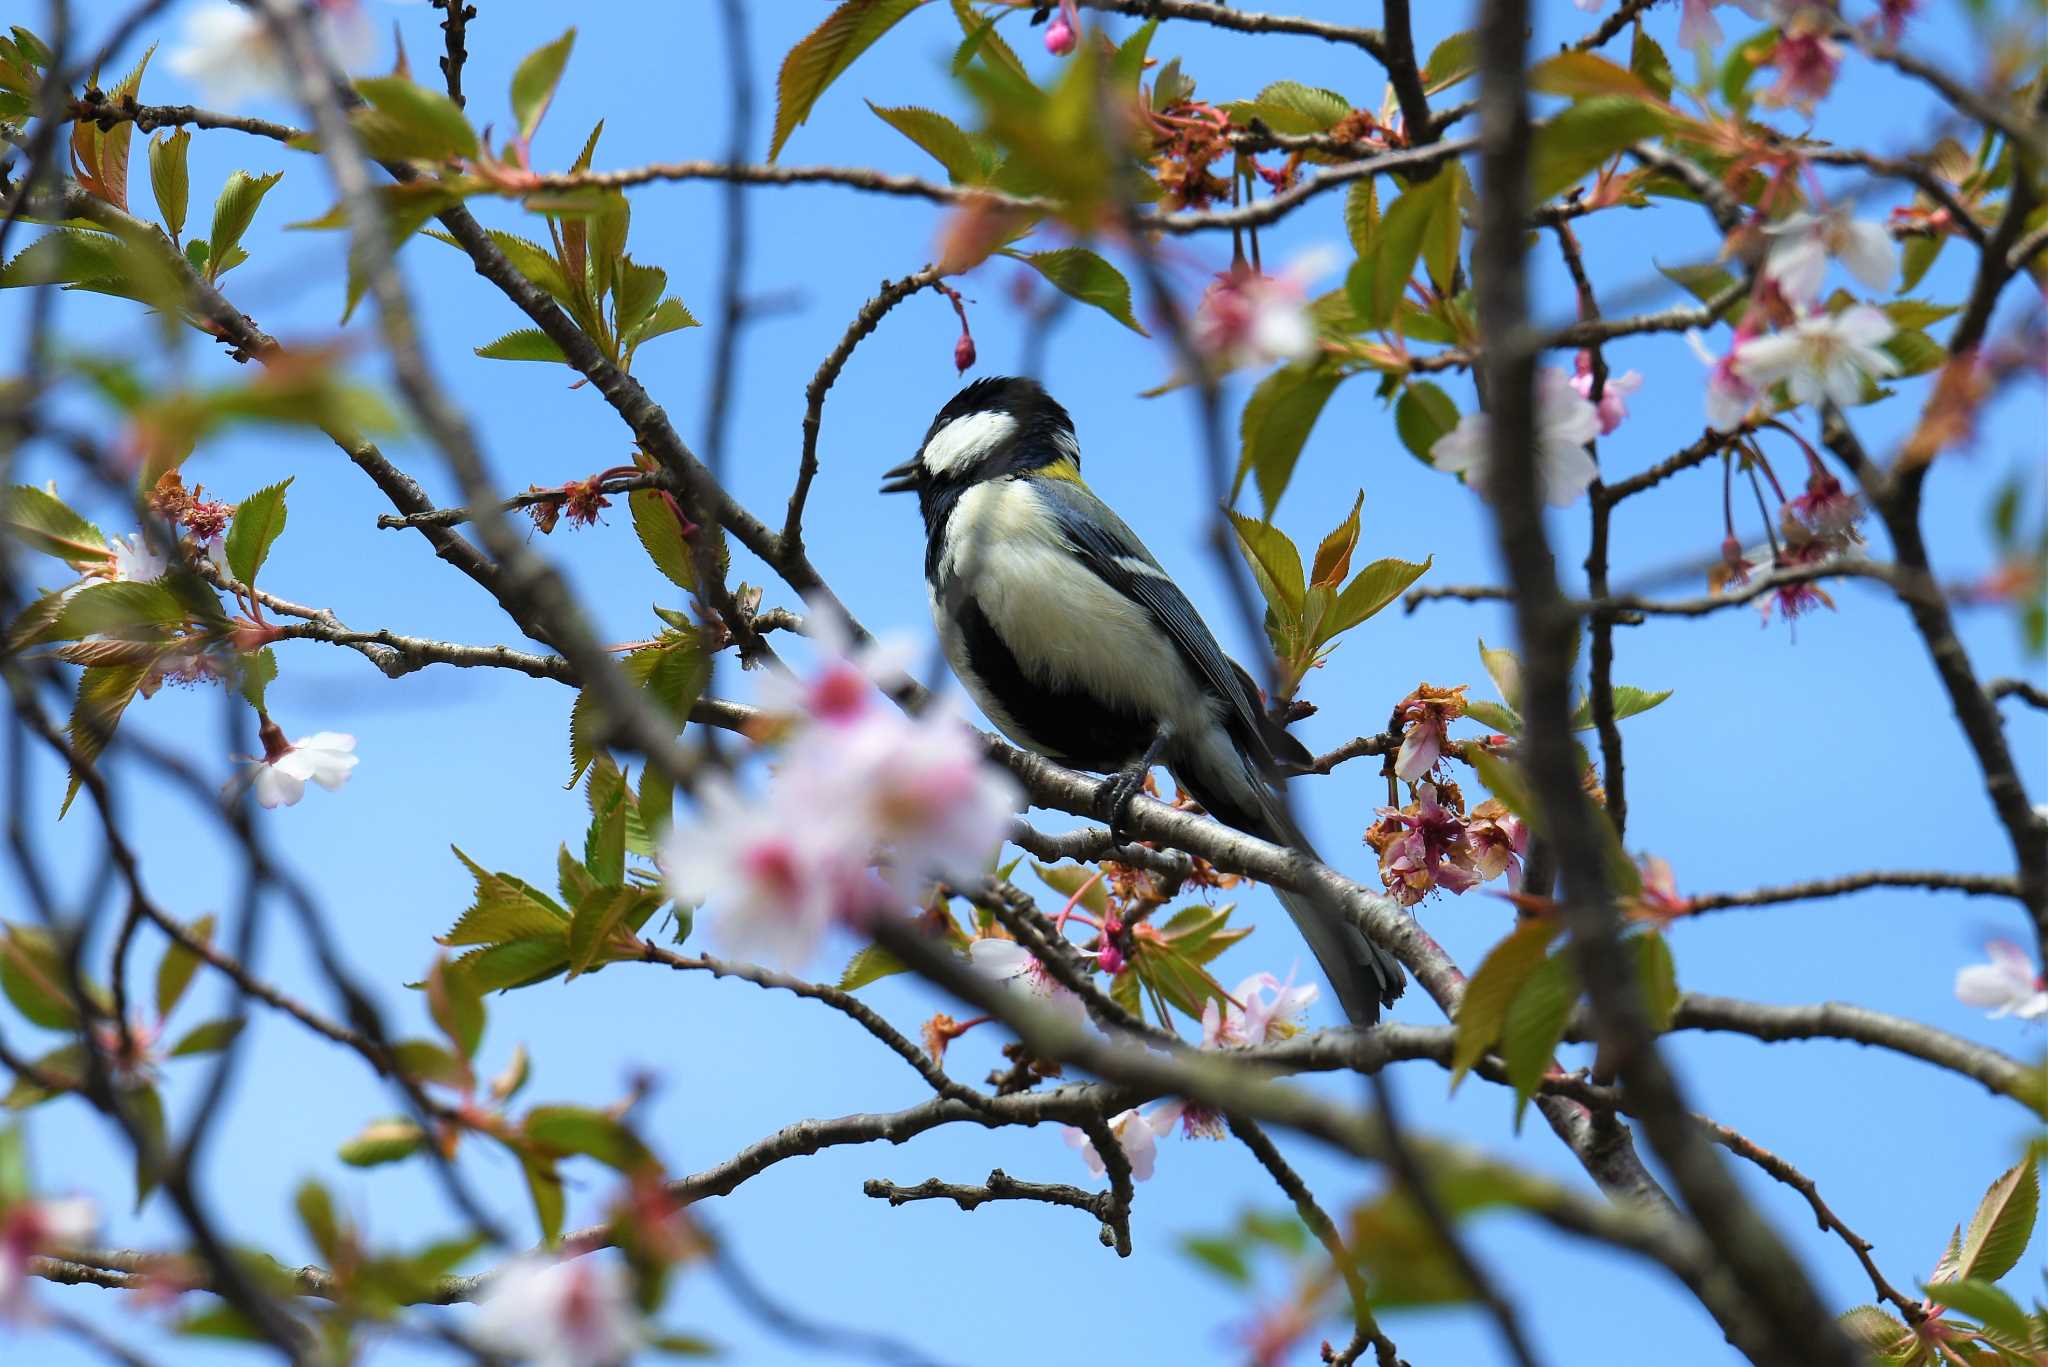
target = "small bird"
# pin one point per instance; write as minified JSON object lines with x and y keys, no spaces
{"x":1075,"y":643}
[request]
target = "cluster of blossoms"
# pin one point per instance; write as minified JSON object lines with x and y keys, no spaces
{"x":857,"y":777}
{"x":1262,"y":1010}
{"x":1807,"y":55}
{"x":1433,"y":842}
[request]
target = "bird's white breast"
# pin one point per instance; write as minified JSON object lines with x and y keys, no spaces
{"x":1066,"y":627}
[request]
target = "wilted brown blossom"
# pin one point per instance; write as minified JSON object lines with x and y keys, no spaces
{"x":204,"y":518}
{"x":1426,"y":714}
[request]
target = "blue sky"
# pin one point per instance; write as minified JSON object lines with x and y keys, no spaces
{"x":1779,"y":758}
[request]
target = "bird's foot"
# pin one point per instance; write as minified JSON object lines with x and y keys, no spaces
{"x":1113,"y":798}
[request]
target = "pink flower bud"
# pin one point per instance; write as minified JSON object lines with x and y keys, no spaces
{"x":1110,"y":960}
{"x":1059,"y":36}
{"x":963,"y":353}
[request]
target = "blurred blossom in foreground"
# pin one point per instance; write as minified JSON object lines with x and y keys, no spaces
{"x":2006,"y":986}
{"x":1018,"y":970}
{"x":29,"y":1228}
{"x":279,"y":778}
{"x":573,"y":1313}
{"x":1802,"y":244}
{"x":1613,"y":404}
{"x":858,"y":780}
{"x":1565,"y":422}
{"x":227,"y":51}
{"x":1248,"y":318}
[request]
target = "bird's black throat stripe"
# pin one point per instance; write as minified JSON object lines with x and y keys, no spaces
{"x":1072,"y":727}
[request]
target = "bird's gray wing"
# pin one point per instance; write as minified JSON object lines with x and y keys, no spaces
{"x":1112,"y":550}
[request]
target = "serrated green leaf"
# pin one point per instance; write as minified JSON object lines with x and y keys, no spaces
{"x":1275,"y":424}
{"x":104,"y":692}
{"x":1982,"y":1301}
{"x":669,"y":316}
{"x":823,"y":54}
{"x":1580,"y":138}
{"x":1647,"y":62}
{"x":533,"y":84}
{"x":1492,"y":989}
{"x":1534,"y":1024}
{"x":1377,"y":585}
{"x":2002,"y":1225}
{"x":1362,"y":213}
{"x":581,"y":1129}
{"x":943,"y":140}
{"x":457,"y":1008}
{"x":67,"y":256}
{"x":1628,"y":702}
{"x":127,"y":609}
{"x":1504,"y":669}
{"x":40,"y":520}
{"x":1071,"y":880}
{"x":1451,"y":61}
{"x":523,"y":344}
{"x":431,"y":125}
{"x":1275,"y":565}
{"x":233,"y":211}
{"x":259,"y":519}
{"x":1916,"y":258}
{"x":1081,"y":274}
{"x":1291,"y":107}
{"x":1877,"y":1331}
{"x":870,"y":964}
{"x":515,"y":963}
{"x":169,"y":179}
{"x":598,"y":917}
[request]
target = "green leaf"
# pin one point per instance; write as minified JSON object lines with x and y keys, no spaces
{"x":1647,"y":62}
{"x":1378,"y":281}
{"x":2002,"y":1225}
{"x":661,"y":535}
{"x":826,"y":52}
{"x":232,"y":214}
{"x":104,"y":692}
{"x":1534,"y":1024}
{"x":1333,"y":554}
{"x":1879,"y":1332}
{"x":1499,"y":716}
{"x":1275,"y":425}
{"x":40,"y":520}
{"x":1587,"y":74}
{"x":945,"y":141}
{"x":1275,"y":566}
{"x":382,"y":1141}
{"x":1221,"y":1254}
{"x":127,"y":609}
{"x":1659,"y":977}
{"x":257,"y":673}
{"x":635,"y":292}
{"x":1916,"y":258}
{"x":544,"y":1186}
{"x":208,"y":1037}
{"x":604,"y":846}
{"x":581,"y":1129}
{"x":64,"y":257}
{"x":259,"y":519}
{"x":33,"y":977}
{"x":1377,"y":585}
{"x":1081,"y":274}
{"x":1424,"y":415}
{"x":430,"y":125}
{"x":1291,"y":107}
{"x":657,"y":804}
{"x":422,"y":1060}
{"x":529,"y":258}
{"x":870,"y":964}
{"x":1628,"y":702}
{"x":1492,"y":989}
{"x":457,"y":1007}
{"x":1505,"y":671}
{"x":1451,"y":61}
{"x":144,"y":1110}
{"x":516,"y":963}
{"x":1362,"y":213}
{"x":598,"y":917}
{"x":175,"y":970}
{"x":169,"y":179}
{"x":1580,"y":138}
{"x":533,"y":84}
{"x":1069,"y":880}
{"x":523,"y":344}
{"x":669,"y":316}
{"x":316,"y":1212}
{"x":1982,"y":1301}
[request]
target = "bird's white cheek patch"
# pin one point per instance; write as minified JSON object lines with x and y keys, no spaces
{"x":966,"y":439}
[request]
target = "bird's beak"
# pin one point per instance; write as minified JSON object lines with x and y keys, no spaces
{"x":904,"y":478}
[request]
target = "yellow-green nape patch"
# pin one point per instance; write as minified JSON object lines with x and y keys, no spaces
{"x":1063,"y":468}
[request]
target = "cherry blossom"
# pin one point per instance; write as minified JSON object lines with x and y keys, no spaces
{"x":29,"y":1228}
{"x":1019,"y":971}
{"x":1422,"y":846}
{"x":1247,"y":318}
{"x":569,"y":1313}
{"x":134,"y":559}
{"x":1730,"y":397}
{"x":1134,"y":1135}
{"x":1807,"y":60}
{"x":1499,"y":840}
{"x":850,"y":676}
{"x":228,"y":52}
{"x":1613,"y":404}
{"x":1798,"y":259}
{"x":279,"y":778}
{"x":1565,"y":422}
{"x":1822,"y":356}
{"x":1264,"y":1009}
{"x":777,"y":874}
{"x":1697,"y":24}
{"x":2006,"y":986}
{"x":1426,"y":713}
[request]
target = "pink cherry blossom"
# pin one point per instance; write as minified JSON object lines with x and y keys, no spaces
{"x":849,"y":678}
{"x":1064,"y":30}
{"x":1613,"y":405}
{"x":778,"y":875}
{"x":1697,"y":24}
{"x":1807,"y":60}
{"x":1264,"y":1009}
{"x":1730,"y":397}
{"x":29,"y":1228}
{"x":2008,"y":985}
{"x":1250,"y":319}
{"x":560,"y":1313}
{"x":1134,"y":1135}
{"x":1565,"y":422}
{"x":1018,"y":970}
{"x":1422,"y":847}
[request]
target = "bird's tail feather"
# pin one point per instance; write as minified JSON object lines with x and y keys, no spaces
{"x":1363,"y":974}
